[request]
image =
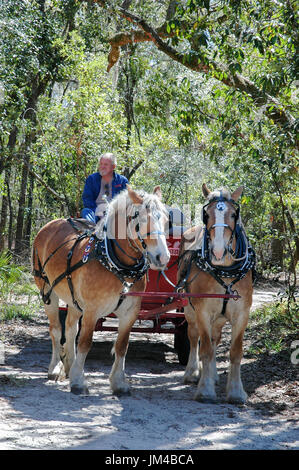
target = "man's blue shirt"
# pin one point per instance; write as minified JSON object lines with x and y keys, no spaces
{"x":93,"y":185}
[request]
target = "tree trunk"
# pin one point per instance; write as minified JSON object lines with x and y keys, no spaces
{"x":38,"y":88}
{"x":28,"y":224}
{"x":19,"y":244}
{"x":276,"y":244}
{"x":4,"y":212}
{"x":10,"y":220}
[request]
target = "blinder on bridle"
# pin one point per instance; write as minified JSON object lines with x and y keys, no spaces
{"x":221,"y":200}
{"x":140,"y":236}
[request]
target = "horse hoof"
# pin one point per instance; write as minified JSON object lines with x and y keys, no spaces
{"x":205,"y":398}
{"x":52,"y":377}
{"x":59,"y":377}
{"x":121,"y":392}
{"x":236,"y":400}
{"x":191,"y":379}
{"x":236,"y":396}
{"x":78,"y":390}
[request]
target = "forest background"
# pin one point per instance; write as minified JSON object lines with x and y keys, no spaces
{"x":184,"y":92}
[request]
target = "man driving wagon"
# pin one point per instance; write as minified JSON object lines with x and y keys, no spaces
{"x":101,"y":187}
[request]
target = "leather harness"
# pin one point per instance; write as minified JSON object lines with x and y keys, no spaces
{"x":244,"y":254}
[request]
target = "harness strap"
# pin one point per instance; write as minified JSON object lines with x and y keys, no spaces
{"x":123,"y":251}
{"x":70,"y":269}
{"x":40,"y":272}
{"x":56,"y":249}
{"x":227,"y":287}
{"x":186,"y":272}
{"x":67,"y":273}
{"x":237,"y":271}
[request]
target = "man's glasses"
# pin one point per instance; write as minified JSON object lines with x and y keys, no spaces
{"x":106,"y":189}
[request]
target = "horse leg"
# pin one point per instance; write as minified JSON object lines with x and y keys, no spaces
{"x":192,"y":369}
{"x":234,"y":390}
{"x":77,"y":381}
{"x":71,"y":330}
{"x":206,"y":386}
{"x":216,"y":337}
{"x":52,"y":310}
{"x":117,"y":379}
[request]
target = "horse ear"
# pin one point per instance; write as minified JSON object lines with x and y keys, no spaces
{"x":135,"y":198}
{"x":237,"y":193}
{"x":205,"y":190}
{"x":157,"y":191}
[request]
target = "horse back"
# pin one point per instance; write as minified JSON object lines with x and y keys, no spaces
{"x":51,"y":236}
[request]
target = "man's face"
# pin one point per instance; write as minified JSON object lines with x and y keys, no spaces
{"x":106,"y":167}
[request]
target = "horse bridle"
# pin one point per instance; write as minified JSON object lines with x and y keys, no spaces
{"x":221,"y":200}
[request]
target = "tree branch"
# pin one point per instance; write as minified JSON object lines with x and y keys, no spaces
{"x":272,"y":108}
{"x":39,"y":178}
{"x":123,"y":39}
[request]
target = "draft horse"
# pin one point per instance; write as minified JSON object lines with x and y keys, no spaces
{"x":91,"y":273}
{"x":216,"y":258}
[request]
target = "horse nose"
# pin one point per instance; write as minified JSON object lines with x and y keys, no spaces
{"x":162,"y":259}
{"x":218,"y":253}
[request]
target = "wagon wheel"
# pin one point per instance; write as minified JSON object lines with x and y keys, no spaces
{"x":181,"y":343}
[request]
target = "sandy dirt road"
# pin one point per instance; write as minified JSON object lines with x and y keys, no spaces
{"x":160,"y":413}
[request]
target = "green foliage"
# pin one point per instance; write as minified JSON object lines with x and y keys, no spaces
{"x":10,"y":273}
{"x":276,"y":324}
{"x":80,"y":126}
{"x":16,"y":290}
{"x":14,"y":311}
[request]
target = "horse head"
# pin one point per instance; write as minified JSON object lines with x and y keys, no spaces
{"x":220,"y":215}
{"x":148,"y":228}
{"x":142,"y":220}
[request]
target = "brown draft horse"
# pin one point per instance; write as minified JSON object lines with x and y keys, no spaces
{"x":216,"y":259}
{"x":135,"y":226}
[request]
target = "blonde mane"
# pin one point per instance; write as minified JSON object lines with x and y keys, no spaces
{"x":216,"y":193}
